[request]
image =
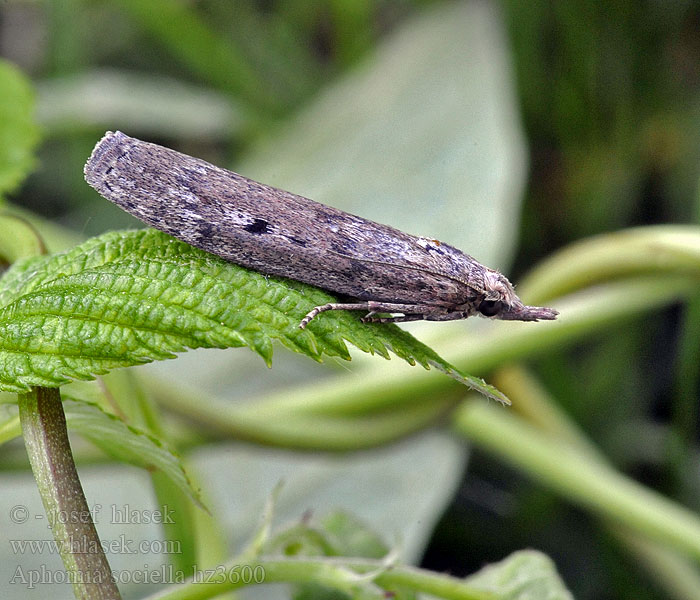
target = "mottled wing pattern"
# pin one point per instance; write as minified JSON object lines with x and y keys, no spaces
{"x":277,"y":232}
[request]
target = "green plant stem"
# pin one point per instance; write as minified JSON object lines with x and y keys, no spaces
{"x":297,"y":430}
{"x":577,"y":476}
{"x":582,"y":313}
{"x":347,"y":575}
{"x":46,"y":437}
{"x":536,"y":406}
{"x":679,"y":576}
{"x":651,"y":249}
{"x":309,"y":416}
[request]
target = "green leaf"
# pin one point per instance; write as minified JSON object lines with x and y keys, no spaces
{"x":525,"y":575}
{"x":336,"y":534}
{"x":214,"y":57}
{"x":127,"y":298}
{"x":150,"y":104}
{"x":18,"y":239}
{"x":351,"y":537}
{"x":125,"y":443}
{"x":18,"y":131}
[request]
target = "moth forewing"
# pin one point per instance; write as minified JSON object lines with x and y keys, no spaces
{"x":280,"y":233}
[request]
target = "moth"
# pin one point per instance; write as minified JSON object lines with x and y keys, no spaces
{"x":379,"y":269}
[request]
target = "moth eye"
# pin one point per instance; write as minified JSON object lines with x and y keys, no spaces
{"x":489,"y":308}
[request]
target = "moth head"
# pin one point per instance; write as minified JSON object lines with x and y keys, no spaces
{"x":499,"y":301}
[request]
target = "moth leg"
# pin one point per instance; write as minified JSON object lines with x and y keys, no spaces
{"x":398,"y":319}
{"x":410,"y":312}
{"x":393,"y":307}
{"x":450,"y":316}
{"x":333,"y":306}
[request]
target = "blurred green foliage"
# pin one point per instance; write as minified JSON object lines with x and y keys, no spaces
{"x":609,"y":95}
{"x":608,"y":92}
